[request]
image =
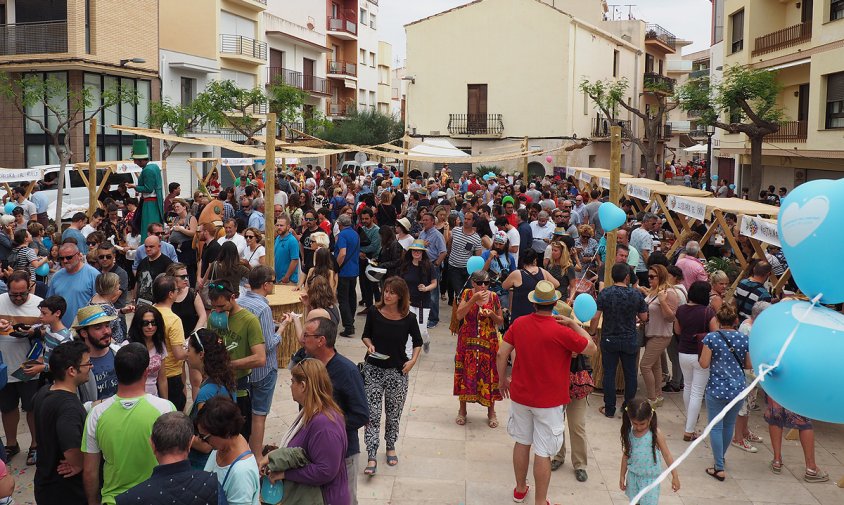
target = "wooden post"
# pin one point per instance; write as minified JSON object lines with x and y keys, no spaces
{"x":92,"y":167}
{"x":524,"y":161}
{"x":615,"y":190}
{"x":406,"y":145}
{"x":269,"y":193}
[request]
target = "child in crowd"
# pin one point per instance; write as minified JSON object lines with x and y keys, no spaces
{"x":640,"y":464}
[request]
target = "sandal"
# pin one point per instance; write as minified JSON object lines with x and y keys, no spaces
{"x":392,"y":460}
{"x":460,"y":419}
{"x":776,"y":466}
{"x":12,"y":450}
{"x":690,"y":438}
{"x":816,"y":475}
{"x":492,"y":421}
{"x":712,"y":472}
{"x":31,"y":456}
{"x":371,"y":468}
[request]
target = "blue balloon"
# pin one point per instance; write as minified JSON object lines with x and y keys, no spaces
{"x":714,"y":177}
{"x":733,"y":187}
{"x":474,"y":264}
{"x":813,"y":358}
{"x":48,"y":243}
{"x":271,"y":493}
{"x":611,"y":216}
{"x":43,"y":270}
{"x":396,"y":182}
{"x":585,"y":307}
{"x":10,"y":206}
{"x":810,"y":221}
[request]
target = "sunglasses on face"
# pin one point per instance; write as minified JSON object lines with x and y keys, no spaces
{"x":105,"y":256}
{"x":652,"y":277}
{"x":249,"y":236}
{"x":482,"y":283}
{"x":67,"y":258}
{"x":148,"y":323}
{"x":91,"y":244}
{"x":158,"y":233}
{"x":204,"y":437}
{"x":183,"y":277}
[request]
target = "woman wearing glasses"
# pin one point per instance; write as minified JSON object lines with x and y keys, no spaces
{"x":107,"y":287}
{"x":148,"y":329}
{"x":254,"y":252}
{"x":389,"y":325}
{"x":207,"y":354}
{"x":662,"y":303}
{"x":475,"y":372}
{"x":189,"y":308}
{"x":181,"y":234}
{"x":319,"y":430}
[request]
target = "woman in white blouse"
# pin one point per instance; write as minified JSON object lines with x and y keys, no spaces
{"x":254,"y":252}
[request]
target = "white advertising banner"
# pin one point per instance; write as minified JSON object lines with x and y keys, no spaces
{"x":760,"y":229}
{"x":571,"y":171}
{"x":640,"y":192}
{"x":687,"y":207}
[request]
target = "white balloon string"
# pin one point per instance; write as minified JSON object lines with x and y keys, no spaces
{"x":764,"y":370}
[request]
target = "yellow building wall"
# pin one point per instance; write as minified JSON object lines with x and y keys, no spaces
{"x":199,"y":37}
{"x":119,"y":32}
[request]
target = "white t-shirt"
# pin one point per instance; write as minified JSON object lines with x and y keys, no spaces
{"x":238,"y":240}
{"x":513,"y":237}
{"x":406,"y":241}
{"x":87,"y":230}
{"x":15,"y":349}
{"x":253,"y":257}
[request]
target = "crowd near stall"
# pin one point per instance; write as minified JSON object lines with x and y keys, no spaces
{"x":142,"y":335}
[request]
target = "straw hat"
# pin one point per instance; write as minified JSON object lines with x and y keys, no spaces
{"x":417,"y":245}
{"x":544,"y":294}
{"x":563,"y":309}
{"x":91,"y":315}
{"x":560,"y":231}
{"x":405,"y":223}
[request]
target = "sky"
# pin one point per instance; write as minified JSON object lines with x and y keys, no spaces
{"x":687,"y":19}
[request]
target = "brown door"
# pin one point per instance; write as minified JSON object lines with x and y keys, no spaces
{"x":308,"y":73}
{"x":276,"y":62}
{"x":806,"y":11}
{"x":476,"y":113}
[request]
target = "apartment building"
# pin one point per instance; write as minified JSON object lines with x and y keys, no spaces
{"x":487,"y":93}
{"x":296,"y":32}
{"x":802,"y":42}
{"x":99,"y":45}
{"x":342,"y":40}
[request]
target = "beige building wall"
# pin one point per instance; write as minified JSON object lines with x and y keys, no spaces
{"x":198,"y":37}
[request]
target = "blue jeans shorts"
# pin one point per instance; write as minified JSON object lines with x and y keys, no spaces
{"x":262,"y":393}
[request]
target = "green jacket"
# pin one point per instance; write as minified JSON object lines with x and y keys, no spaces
{"x":286,"y":458}
{"x":150,"y":182}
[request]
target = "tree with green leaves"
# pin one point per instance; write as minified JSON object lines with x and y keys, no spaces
{"x":744,"y":101}
{"x":66,"y":110}
{"x":609,"y":94}
{"x":365,"y":127}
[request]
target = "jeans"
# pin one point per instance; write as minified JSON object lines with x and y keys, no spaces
{"x":722,"y":433}
{"x":348,"y":301}
{"x":434,"y":316}
{"x":695,"y":379}
{"x":613,"y":350}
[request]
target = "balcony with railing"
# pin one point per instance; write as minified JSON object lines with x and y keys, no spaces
{"x":342,"y":68}
{"x":790,"y":132}
{"x":697,"y":74}
{"x":657,"y":83}
{"x":344,"y":26}
{"x":780,"y":39}
{"x":657,"y":34}
{"x":601,"y":127}
{"x":243,"y":48}
{"x":476,"y":125}
{"x":310,"y":83}
{"x":33,"y":38}
{"x":337,"y":109}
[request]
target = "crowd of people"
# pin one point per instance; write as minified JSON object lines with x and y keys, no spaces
{"x":146,"y":359}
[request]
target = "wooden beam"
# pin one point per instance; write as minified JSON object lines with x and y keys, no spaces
{"x":615,"y":193}
{"x":719,"y":217}
{"x":30,"y":188}
{"x":92,"y":168}
{"x":524,"y":161}
{"x":82,"y":174}
{"x":269,"y":194}
{"x":105,"y":182}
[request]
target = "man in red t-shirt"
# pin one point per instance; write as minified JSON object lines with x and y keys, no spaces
{"x":539,"y":385}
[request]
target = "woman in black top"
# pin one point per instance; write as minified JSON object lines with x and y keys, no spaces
{"x":523,"y":281}
{"x":417,"y":271}
{"x":391,"y":252}
{"x":386,"y":213}
{"x":389,"y":325}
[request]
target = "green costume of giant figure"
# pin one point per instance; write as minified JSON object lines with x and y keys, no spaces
{"x":148,"y":189}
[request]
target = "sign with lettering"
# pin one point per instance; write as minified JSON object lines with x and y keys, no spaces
{"x":760,"y":229}
{"x":127,"y":168}
{"x":586,"y":177}
{"x":237,"y":162}
{"x":687,"y":207}
{"x":571,"y":171}
{"x":9,"y":175}
{"x":640,"y":192}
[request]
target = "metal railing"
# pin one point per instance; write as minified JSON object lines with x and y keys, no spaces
{"x":284,"y":75}
{"x":342,"y":68}
{"x":790,"y":131}
{"x":315,"y":84}
{"x":289,"y":134}
{"x":475,"y":124}
{"x":244,"y":46}
{"x":346,"y":22}
{"x":656,"y":32}
{"x":601,"y":127}
{"x":697,"y":74}
{"x":787,"y":37}
{"x":659,"y":83}
{"x":33,"y":38}
{"x":336,"y":109}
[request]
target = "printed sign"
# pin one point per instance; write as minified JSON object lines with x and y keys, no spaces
{"x":586,"y":177}
{"x":127,"y":168}
{"x":687,"y":207}
{"x":760,"y":229}
{"x":20,"y":175}
{"x":239,"y":162}
{"x":605,"y":182}
{"x":640,"y":192}
{"x":571,"y":171}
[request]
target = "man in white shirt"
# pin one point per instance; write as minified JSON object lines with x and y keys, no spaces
{"x":29,"y":210}
{"x":233,"y":236}
{"x":542,"y":231}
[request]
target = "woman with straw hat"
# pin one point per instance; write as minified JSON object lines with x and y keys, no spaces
{"x":416,"y":269}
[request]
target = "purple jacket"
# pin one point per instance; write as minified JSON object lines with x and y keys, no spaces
{"x":324,"y":442}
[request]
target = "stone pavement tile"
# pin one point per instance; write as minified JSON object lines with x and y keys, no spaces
{"x":433,"y":448}
{"x":427,"y":429}
{"x":408,"y":490}
{"x":776,"y":492}
{"x":379,"y":487}
{"x":699,"y":485}
{"x":498,"y":470}
{"x":827,"y":493}
{"x":693,"y":500}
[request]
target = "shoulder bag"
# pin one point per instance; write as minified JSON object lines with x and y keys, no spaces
{"x":580,"y":378}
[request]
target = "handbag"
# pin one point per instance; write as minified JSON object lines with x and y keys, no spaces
{"x":580,"y":378}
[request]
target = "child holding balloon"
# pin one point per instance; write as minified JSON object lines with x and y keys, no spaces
{"x":640,"y":464}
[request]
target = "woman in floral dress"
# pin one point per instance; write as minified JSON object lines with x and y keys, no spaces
{"x":475,"y":372}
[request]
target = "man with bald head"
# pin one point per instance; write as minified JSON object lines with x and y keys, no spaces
{"x":74,"y":282}
{"x":150,"y":267}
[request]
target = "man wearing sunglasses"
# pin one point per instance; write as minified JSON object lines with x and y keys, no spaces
{"x":150,"y":267}
{"x":59,"y":422}
{"x":107,"y":262}
{"x":167,"y":248}
{"x":74,"y":282}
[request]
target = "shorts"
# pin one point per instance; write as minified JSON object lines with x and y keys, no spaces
{"x":544,"y":429}
{"x":262,"y":393}
{"x":18,"y":393}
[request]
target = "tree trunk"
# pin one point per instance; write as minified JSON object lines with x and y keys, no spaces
{"x":755,"y":166}
{"x":64,"y":158}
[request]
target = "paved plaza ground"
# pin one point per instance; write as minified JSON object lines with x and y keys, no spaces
{"x":443,"y":463}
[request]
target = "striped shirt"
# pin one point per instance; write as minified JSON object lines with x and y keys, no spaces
{"x":460,"y":253}
{"x":257,"y":305}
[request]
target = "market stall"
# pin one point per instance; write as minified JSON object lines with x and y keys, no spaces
{"x":285,"y":299}
{"x":759,"y":231}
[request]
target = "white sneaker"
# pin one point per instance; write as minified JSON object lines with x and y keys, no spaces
{"x":745,"y":446}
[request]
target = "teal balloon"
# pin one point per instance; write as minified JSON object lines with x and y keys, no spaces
{"x":810,"y":221}
{"x":48,"y":243}
{"x":611,"y":216}
{"x":585,"y":307}
{"x":474,"y":264}
{"x":43,"y":270}
{"x":9,"y":207}
{"x":804,"y":380}
{"x":396,"y":182}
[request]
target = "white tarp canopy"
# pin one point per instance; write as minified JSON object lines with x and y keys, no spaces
{"x":700,"y":148}
{"x":440,"y":148}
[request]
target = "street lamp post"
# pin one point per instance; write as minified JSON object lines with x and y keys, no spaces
{"x":710,"y":131}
